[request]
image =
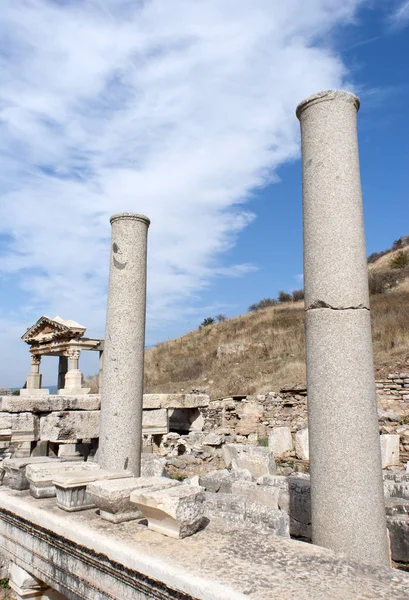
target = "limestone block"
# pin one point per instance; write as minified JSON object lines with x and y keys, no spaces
{"x":112,"y":497}
{"x":155,"y":421}
{"x":256,"y":459}
{"x":264,"y":518}
{"x":262,"y":494}
{"x":398,"y":527}
{"x":34,"y":391}
{"x":5,"y":418}
{"x":40,"y":476}
{"x":51,"y":403}
{"x":236,"y":475}
{"x":250,"y":415}
{"x":25,"y":427}
{"x":213,"y":439}
{"x":175,"y":400}
{"x":176,"y":512}
{"x":389,"y":450}
{"x":224,"y":506}
{"x":238,"y":509}
{"x":280,"y":442}
{"x":68,"y":450}
{"x":15,"y":470}
{"x":23,"y":582}
{"x":212,"y":481}
{"x":301,"y":444}
{"x":5,"y":435}
{"x":153,"y":466}
{"x":71,"y":488}
{"x":69,"y":425}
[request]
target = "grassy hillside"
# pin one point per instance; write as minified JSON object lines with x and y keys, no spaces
{"x":264,"y":350}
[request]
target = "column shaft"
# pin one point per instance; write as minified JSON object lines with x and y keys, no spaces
{"x":122,"y":381}
{"x":348,"y":511}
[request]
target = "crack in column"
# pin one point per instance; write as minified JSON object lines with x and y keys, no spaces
{"x":322,"y":304}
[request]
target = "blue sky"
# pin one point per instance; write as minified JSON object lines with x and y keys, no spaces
{"x":183,"y":111}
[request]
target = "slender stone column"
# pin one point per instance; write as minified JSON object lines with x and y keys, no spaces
{"x":120,"y":440}
{"x":62,"y":371}
{"x":34,"y":379}
{"x":348,"y":511}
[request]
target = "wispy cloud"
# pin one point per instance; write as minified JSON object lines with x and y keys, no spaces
{"x":174,"y":109}
{"x":400,"y":16}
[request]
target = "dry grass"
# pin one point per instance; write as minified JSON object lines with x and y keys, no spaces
{"x":270,"y":350}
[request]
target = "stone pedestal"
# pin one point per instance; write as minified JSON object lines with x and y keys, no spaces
{"x":120,"y":441}
{"x":73,"y":377}
{"x":348,"y":513}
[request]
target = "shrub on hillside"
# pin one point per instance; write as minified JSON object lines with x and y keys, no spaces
{"x":298,"y":295}
{"x":221,"y":318}
{"x":379,"y":283}
{"x":207,"y":321}
{"x":400,"y":260}
{"x":264,"y":303}
{"x":284,"y":297}
{"x":375,"y":255}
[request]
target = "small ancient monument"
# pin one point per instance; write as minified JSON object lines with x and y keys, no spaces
{"x":62,"y":338}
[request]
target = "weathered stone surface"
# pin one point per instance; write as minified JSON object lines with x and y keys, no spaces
{"x":345,"y":457}
{"x":389,"y":450}
{"x":120,"y":443}
{"x":153,"y":466}
{"x":69,"y":425}
{"x":155,"y":421}
{"x":280,"y":442}
{"x":258,"y":460}
{"x":262,"y":494}
{"x":25,"y":427}
{"x":398,"y":527}
{"x":175,"y":400}
{"x":238,"y":509}
{"x":15,"y":470}
{"x":71,"y":488}
{"x":40,"y":476}
{"x":212,"y":480}
{"x":235,"y":475}
{"x":302,"y":450}
{"x":17,"y":404}
{"x":176,"y":512}
{"x":224,"y":561}
{"x":112,"y":497}
{"x":5,"y":420}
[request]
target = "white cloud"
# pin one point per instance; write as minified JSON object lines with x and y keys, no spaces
{"x":178,"y":110}
{"x":400,"y":16}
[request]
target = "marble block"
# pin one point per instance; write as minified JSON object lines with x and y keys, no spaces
{"x":40,"y":477}
{"x":176,"y":512}
{"x":71,"y":488}
{"x":112,"y":497}
{"x":15,"y":470}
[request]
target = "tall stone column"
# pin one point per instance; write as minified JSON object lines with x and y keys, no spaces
{"x":348,"y":511}
{"x":120,"y":440}
{"x":62,"y":371}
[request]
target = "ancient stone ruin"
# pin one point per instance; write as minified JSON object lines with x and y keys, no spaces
{"x":125,"y":495}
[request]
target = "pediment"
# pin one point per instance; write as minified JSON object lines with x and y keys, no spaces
{"x":47,"y":329}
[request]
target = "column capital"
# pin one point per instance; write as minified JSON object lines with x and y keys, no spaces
{"x":130,"y":217}
{"x":35,"y":359}
{"x":328,"y":96}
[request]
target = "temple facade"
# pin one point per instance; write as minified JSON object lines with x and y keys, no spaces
{"x":62,"y":338}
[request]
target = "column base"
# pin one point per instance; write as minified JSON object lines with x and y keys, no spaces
{"x":34,"y":392}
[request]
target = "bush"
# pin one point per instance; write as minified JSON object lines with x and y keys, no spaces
{"x":379,"y":283}
{"x":264,"y":303}
{"x":284,"y":297}
{"x":207,"y":321}
{"x":400,"y":260}
{"x":298,"y":295}
{"x":220,"y":318}
{"x":375,"y":255}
